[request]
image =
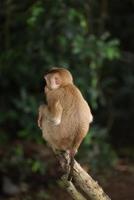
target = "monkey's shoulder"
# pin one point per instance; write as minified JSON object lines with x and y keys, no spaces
{"x":73,"y":96}
{"x":72,"y":90}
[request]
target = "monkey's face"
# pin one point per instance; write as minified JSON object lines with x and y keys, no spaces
{"x":53,"y":81}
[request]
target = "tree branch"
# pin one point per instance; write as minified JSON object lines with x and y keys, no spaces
{"x":87,"y":184}
{"x":71,"y":189}
{"x":81,"y":179}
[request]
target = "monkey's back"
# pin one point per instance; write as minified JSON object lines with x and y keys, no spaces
{"x":75,"y":119}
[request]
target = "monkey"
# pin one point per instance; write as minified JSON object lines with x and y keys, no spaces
{"x":66,"y":118}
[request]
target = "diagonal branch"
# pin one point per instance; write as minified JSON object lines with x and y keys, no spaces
{"x":71,"y":189}
{"x":90,"y":187}
{"x":82,"y":180}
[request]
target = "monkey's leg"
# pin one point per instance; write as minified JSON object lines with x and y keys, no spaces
{"x":70,"y":175}
{"x":77,"y":141}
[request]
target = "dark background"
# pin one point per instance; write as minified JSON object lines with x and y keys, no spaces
{"x":95,"y":41}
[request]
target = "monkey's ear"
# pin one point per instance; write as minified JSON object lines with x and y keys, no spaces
{"x":48,"y":71}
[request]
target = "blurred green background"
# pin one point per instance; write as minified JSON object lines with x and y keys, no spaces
{"x":95,"y":41}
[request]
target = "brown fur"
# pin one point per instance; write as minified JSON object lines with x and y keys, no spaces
{"x":67,"y":104}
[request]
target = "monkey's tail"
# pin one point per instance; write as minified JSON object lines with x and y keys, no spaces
{"x":70,"y":175}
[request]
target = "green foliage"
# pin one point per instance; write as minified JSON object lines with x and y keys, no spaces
{"x":23,"y":163}
{"x":41,"y":34}
{"x":36,"y":11}
{"x":96,"y":50}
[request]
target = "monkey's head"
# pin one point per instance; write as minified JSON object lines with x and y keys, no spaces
{"x":57,"y":77}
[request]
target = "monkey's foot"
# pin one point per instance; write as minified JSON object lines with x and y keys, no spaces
{"x":64,"y":159}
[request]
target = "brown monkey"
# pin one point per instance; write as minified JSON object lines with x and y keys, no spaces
{"x":66,"y":118}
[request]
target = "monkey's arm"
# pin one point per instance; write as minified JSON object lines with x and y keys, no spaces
{"x":51,"y":113}
{"x":54,"y":108}
{"x":76,"y":143}
{"x":54,"y":112}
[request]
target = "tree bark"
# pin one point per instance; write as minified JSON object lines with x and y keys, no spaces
{"x":80,"y":179}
